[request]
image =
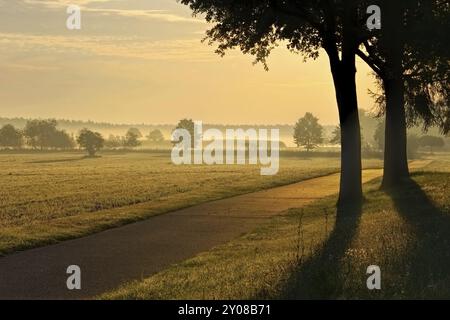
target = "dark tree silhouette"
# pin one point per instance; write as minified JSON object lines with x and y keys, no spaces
{"x":410,"y":57}
{"x":61,"y":140}
{"x":39,"y":133}
{"x":308,"y":132}
{"x":10,"y":137}
{"x":337,"y":27}
{"x":43,"y":134}
{"x":188,"y":125}
{"x":90,"y":141}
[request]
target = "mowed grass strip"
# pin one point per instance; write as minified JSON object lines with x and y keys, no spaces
{"x":307,"y":253}
{"x":50,"y":197}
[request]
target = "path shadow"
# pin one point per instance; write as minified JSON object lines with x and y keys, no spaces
{"x":320,"y":276}
{"x":64,"y":160}
{"x":427,"y":264}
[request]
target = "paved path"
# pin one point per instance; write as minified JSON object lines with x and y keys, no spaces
{"x":110,"y":258}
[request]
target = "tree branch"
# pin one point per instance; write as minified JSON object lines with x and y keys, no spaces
{"x":370,"y":62}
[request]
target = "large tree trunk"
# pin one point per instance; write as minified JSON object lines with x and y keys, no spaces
{"x":395,"y":155}
{"x":395,"y":151}
{"x":351,"y":180}
{"x":344,"y":77}
{"x":344,"y":73}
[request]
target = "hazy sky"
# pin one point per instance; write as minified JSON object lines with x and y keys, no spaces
{"x":140,"y":61}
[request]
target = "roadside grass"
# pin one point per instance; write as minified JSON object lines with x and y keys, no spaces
{"x":50,"y":197}
{"x":309,"y":253}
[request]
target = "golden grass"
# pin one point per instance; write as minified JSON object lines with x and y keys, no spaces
{"x":49,"y":197}
{"x":305,"y":254}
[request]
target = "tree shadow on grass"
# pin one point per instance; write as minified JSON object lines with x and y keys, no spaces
{"x":427,"y":264}
{"x":320,"y":276}
{"x":64,"y":160}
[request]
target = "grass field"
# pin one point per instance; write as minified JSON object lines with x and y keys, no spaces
{"x":310,"y":253}
{"x":48,"y":197}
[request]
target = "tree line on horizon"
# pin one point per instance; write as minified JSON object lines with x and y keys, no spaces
{"x":44,"y":135}
{"x":308,"y":133}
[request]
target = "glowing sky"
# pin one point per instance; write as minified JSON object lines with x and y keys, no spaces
{"x":138,"y":61}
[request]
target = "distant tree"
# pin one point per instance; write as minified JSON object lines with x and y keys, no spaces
{"x":132,"y":139}
{"x":39,"y":133}
{"x":432,"y":142}
{"x":60,"y":139}
{"x":155,"y":136}
{"x":337,"y":28}
{"x":114,"y":142}
{"x":308,"y":132}
{"x":188,"y":125}
{"x":336,"y":135}
{"x":413,"y":146}
{"x":90,"y":141}
{"x":10,"y":137}
{"x":135,"y":132}
{"x":378,"y":136}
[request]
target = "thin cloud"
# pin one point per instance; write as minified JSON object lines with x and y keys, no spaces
{"x":162,"y":15}
{"x":110,"y":46}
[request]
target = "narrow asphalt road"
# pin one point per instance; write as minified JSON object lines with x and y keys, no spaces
{"x":110,"y":258}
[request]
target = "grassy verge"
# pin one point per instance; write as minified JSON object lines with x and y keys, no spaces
{"x":308,"y":253}
{"x":51,"y":197}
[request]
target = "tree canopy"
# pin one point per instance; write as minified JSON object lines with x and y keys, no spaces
{"x":90,"y":141}
{"x":132,"y":138}
{"x":308,"y":132}
{"x":10,"y":137}
{"x":44,"y":134}
{"x":155,"y":136}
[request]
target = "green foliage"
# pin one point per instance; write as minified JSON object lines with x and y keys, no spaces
{"x":136,"y":132}
{"x":418,"y":31}
{"x":155,"y":136}
{"x":308,"y":132}
{"x":379,"y":134}
{"x":10,"y":137}
{"x":413,"y":146}
{"x":43,"y":134}
{"x":114,"y":142}
{"x":90,"y":141}
{"x":131,"y":139}
{"x":432,"y":142}
{"x":336,"y":135}
{"x":189,"y":125}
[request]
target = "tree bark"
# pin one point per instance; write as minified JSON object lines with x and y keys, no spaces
{"x":395,"y":155}
{"x":396,"y":169}
{"x":344,"y":78}
{"x":351,"y":179}
{"x":344,"y":73}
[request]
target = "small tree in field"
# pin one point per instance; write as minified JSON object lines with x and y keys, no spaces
{"x":155,"y":136}
{"x":10,"y":137}
{"x":432,"y":142}
{"x":90,"y":141}
{"x":132,"y":139}
{"x":308,"y":132}
{"x":336,"y":135}
{"x":136,"y":132}
{"x":188,"y":125}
